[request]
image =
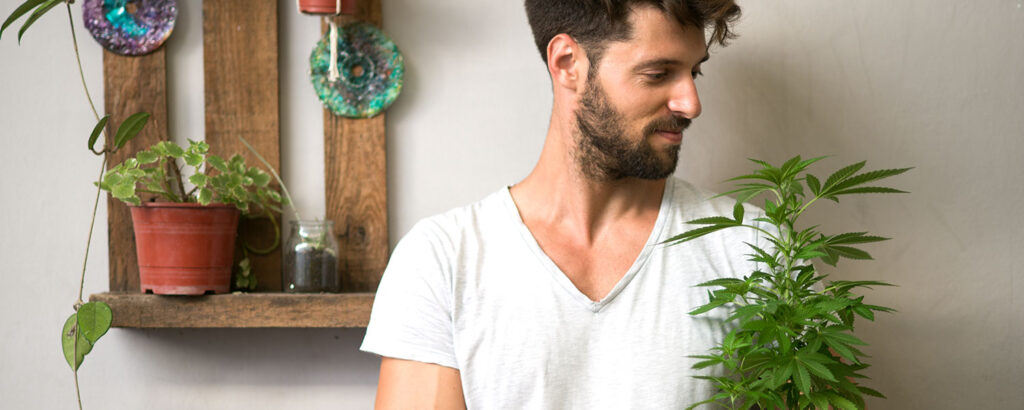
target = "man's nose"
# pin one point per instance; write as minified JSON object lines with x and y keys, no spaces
{"x":684,"y":101}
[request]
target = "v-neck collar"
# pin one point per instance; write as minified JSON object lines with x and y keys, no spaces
{"x":562,"y":279}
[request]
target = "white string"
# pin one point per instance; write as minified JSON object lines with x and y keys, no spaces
{"x":332,"y":73}
{"x":337,"y":8}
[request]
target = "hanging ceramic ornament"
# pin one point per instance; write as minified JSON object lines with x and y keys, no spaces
{"x":130,"y":27}
{"x":361,"y":75}
{"x":326,"y":7}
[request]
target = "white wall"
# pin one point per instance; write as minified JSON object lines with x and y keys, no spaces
{"x":932,"y":84}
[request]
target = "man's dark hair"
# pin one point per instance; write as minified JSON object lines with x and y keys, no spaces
{"x":595,"y":23}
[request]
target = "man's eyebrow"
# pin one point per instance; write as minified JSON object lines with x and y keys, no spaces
{"x":666,"y":61}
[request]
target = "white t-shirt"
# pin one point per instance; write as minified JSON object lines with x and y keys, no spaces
{"x":470,"y":289}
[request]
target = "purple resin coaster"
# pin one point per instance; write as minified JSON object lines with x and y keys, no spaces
{"x":118,"y":28}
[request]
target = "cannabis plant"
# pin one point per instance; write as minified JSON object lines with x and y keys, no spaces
{"x":791,"y":343}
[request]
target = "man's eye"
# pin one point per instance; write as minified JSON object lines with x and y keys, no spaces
{"x":696,"y":74}
{"x":654,"y":77}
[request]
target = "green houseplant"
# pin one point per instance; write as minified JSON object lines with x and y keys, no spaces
{"x":193,"y":261}
{"x":791,"y":345}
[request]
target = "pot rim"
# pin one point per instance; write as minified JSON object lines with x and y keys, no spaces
{"x":181,"y":205}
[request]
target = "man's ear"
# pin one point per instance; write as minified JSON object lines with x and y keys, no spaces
{"x":567,"y":63}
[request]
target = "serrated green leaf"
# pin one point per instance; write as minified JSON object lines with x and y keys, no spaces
{"x":261,"y":179}
{"x":849,"y":252}
{"x":74,"y":354}
{"x":802,"y":378}
{"x":871,"y":392}
{"x":854,"y":238}
{"x":696,"y":233}
{"x":842,"y":174}
{"x":737,"y":212}
{"x":205,"y":196}
{"x":713,"y":220}
{"x":819,"y":400}
{"x":94,"y":320}
{"x":714,"y":304}
{"x":818,"y":369}
{"x":198,"y":180}
{"x":123,"y":190}
{"x":39,"y":12}
{"x":130,"y":128}
{"x":813,"y":184}
{"x":192,"y":159}
{"x":839,"y":402}
{"x":18,"y":12}
{"x":146,"y":157}
{"x":175,"y":151}
{"x":96,"y":132}
{"x":867,"y":190}
{"x":721,"y":282}
{"x":218,"y":163}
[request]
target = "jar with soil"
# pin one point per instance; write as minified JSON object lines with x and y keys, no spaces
{"x":311,"y":258}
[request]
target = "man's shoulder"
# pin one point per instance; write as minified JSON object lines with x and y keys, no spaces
{"x":466,"y":218}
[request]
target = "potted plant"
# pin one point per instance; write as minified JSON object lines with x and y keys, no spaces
{"x":791,"y":345}
{"x":186,"y":242}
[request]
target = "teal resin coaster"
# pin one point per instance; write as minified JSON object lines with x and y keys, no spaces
{"x":370,"y":69}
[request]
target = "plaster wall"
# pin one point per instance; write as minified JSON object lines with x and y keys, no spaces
{"x":934,"y":84}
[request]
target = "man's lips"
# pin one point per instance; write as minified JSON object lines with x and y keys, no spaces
{"x":671,"y":135}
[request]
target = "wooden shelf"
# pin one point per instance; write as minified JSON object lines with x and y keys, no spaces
{"x":246,"y":310}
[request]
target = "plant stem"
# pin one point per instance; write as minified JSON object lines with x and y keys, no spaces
{"x":78,"y":58}
{"x":78,"y":392}
{"x":92,"y":223}
{"x":274,"y":173}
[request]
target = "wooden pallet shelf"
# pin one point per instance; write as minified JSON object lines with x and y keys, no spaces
{"x":246,"y":310}
{"x":241,"y":60}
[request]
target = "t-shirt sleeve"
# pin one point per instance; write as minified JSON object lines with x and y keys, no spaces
{"x":412,"y":315}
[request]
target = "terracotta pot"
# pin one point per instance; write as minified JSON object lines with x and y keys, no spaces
{"x":185,"y":249}
{"x":327,"y":6}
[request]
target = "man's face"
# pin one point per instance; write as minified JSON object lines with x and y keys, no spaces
{"x":637,"y":103}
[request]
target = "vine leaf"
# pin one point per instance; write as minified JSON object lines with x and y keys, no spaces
{"x":130,"y":128}
{"x":43,"y":9}
{"x":96,"y":133}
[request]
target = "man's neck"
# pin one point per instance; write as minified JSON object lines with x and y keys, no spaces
{"x":556,"y":193}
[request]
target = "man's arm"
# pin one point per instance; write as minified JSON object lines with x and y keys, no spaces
{"x":406,"y":384}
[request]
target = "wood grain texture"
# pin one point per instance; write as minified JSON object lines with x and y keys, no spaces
{"x":355,"y":166}
{"x":130,"y":85}
{"x":250,"y":310}
{"x":240,"y":64}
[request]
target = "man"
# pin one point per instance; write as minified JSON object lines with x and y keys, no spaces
{"x":556,"y":292}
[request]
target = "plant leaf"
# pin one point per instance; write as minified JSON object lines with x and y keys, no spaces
{"x":842,"y":174}
{"x":69,"y":335}
{"x":198,"y":180}
{"x":43,"y":9}
{"x":205,"y":196}
{"x":714,"y":220}
{"x":94,"y":320}
{"x":146,"y":157}
{"x":868,"y":190}
{"x":802,"y":378}
{"x":96,"y":132}
{"x":18,"y":12}
{"x":130,"y":128}
{"x":218,"y":163}
{"x":737,"y":212}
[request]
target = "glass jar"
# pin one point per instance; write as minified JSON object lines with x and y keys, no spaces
{"x":311,"y":258}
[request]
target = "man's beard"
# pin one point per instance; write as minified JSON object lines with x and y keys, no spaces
{"x":604,"y":151}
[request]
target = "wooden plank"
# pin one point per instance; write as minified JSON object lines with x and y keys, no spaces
{"x":250,"y":310}
{"x":355,"y":167}
{"x":130,"y":85}
{"x":241,"y":80}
